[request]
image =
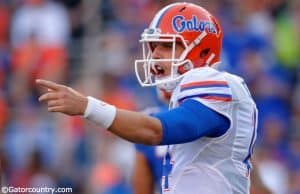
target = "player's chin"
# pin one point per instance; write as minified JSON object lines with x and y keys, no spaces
{"x":161,"y":76}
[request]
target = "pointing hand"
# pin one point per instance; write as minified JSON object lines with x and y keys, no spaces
{"x":61,"y":98}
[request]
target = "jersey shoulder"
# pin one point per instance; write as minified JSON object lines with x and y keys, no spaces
{"x":239,"y":88}
{"x":202,"y":73}
{"x":205,"y":83}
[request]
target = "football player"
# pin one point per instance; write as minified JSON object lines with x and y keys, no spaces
{"x":210,"y":127}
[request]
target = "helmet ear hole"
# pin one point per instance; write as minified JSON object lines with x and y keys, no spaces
{"x":204,"y":52}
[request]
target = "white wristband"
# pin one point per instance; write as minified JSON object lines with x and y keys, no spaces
{"x":100,"y":112}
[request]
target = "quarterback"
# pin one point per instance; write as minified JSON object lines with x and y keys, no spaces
{"x":210,"y":127}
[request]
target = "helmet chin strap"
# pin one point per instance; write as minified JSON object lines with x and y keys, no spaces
{"x":209,"y":59}
{"x":193,"y":44}
{"x":170,"y":86}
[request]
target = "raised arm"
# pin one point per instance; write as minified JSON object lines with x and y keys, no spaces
{"x":186,"y":123}
{"x":132,"y":126}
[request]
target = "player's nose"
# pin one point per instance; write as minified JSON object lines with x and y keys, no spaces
{"x":157,"y":53}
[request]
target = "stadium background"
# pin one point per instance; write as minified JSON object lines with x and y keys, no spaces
{"x":91,"y":46}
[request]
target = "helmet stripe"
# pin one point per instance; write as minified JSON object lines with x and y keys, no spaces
{"x":156,"y":20}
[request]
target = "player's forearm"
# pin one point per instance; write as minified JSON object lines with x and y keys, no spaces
{"x":137,"y":127}
{"x":132,"y":126}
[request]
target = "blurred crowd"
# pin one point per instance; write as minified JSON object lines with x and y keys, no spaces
{"x":91,"y":46}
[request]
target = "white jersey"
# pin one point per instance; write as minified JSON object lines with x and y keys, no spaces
{"x":213,"y":165}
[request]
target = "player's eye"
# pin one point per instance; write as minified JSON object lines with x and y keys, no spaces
{"x":167,"y":44}
{"x":153,"y":45}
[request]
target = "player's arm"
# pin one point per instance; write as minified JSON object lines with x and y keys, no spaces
{"x":142,"y":178}
{"x":190,"y":121}
{"x":137,"y":127}
{"x":132,"y":126}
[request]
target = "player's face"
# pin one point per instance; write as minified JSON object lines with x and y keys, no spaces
{"x":163,"y":50}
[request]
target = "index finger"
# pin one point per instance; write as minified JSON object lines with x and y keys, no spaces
{"x":48,"y":84}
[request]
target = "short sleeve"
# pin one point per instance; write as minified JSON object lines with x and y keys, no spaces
{"x":209,"y":87}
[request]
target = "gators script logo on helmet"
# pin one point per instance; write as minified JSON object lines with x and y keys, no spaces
{"x":188,"y":24}
{"x":181,"y":24}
